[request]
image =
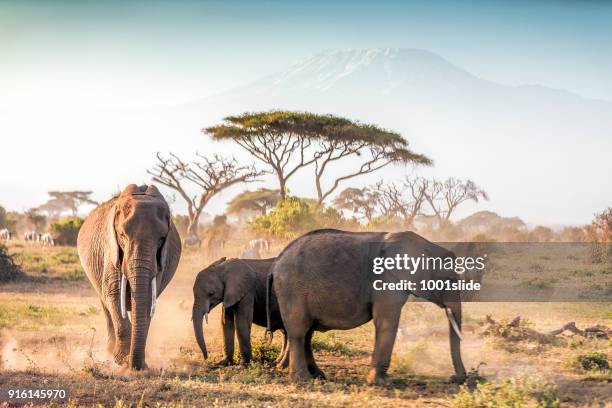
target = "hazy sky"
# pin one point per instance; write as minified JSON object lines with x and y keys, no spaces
{"x":67,"y":67}
{"x":143,"y":53}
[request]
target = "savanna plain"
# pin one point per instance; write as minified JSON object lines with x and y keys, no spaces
{"x":53,"y":336}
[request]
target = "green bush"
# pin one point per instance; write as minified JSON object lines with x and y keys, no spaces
{"x":9,"y":270}
{"x":66,"y":230}
{"x":328,"y":342}
{"x":288,"y":219}
{"x":67,"y":256}
{"x":264,"y":353}
{"x":7,"y":220}
{"x":76,"y":274}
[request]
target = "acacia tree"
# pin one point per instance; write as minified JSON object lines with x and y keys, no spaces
{"x":445,"y":196}
{"x":602,"y":224}
{"x":280,"y":139}
{"x":404,"y":200}
{"x":360,"y":201}
{"x":61,"y":201}
{"x":374,"y":147}
{"x":260,"y":200}
{"x":35,"y":219}
{"x":288,"y":141}
{"x":210,"y":175}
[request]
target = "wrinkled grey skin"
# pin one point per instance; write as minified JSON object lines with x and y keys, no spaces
{"x":241,"y":285}
{"x":323,"y":281}
{"x":132,"y":234}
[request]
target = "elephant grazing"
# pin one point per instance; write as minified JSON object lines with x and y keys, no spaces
{"x":241,"y":285}
{"x":129,"y":248}
{"x":324,"y":280}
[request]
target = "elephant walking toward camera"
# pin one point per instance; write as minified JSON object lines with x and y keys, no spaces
{"x":130,"y":249}
{"x":324,"y":280}
{"x":240,"y":284}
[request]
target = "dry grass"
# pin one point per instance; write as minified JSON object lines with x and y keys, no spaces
{"x":53,"y":335}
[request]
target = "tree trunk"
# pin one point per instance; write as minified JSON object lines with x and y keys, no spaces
{"x":282,"y":187}
{"x":319,"y":189}
{"x":194,"y":220}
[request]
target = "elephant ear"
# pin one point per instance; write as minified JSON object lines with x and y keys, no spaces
{"x":114,"y":251}
{"x":170,"y":253}
{"x":238,"y":282}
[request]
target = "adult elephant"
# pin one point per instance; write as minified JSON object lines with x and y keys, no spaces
{"x":129,"y":248}
{"x":324,"y":280}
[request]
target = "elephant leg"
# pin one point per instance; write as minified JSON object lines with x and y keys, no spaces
{"x":110,"y":329}
{"x":122,"y":326}
{"x":227,"y":321}
{"x":244,"y":319}
{"x":386,"y":321}
{"x":297,"y":326}
{"x":310,"y":361}
{"x":123,"y":336}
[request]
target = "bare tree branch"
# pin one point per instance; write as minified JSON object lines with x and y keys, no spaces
{"x":210,"y":175}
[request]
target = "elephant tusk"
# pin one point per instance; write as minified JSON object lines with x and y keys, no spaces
{"x":206,"y":309}
{"x":453,"y":322}
{"x":153,"y":295}
{"x":122,"y":295}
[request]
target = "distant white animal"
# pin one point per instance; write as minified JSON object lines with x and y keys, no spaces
{"x":260,"y":244}
{"x":31,"y":236}
{"x":254,"y":249}
{"x":5,"y":235}
{"x":250,"y":253}
{"x":47,"y":240}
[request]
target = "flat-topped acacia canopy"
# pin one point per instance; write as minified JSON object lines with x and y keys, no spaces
{"x":289,"y":140}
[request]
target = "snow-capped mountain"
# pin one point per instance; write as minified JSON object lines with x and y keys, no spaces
{"x":518,"y":142}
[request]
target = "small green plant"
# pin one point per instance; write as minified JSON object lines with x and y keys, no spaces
{"x":67,"y":256}
{"x":512,"y":392}
{"x":512,"y":330}
{"x":576,"y":342}
{"x":328,"y":342}
{"x":76,"y":274}
{"x":95,"y":371}
{"x":582,"y":273}
{"x":593,"y":360}
{"x":540,"y":282}
{"x":474,"y":378}
{"x":263,"y":353}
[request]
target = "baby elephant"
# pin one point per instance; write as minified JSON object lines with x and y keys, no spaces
{"x":241,"y":285}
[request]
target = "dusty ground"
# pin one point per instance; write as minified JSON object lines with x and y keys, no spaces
{"x":53,"y":336}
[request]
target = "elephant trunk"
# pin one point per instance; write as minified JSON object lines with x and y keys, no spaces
{"x":141,"y":308}
{"x":453,"y":311}
{"x":197,"y":316}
